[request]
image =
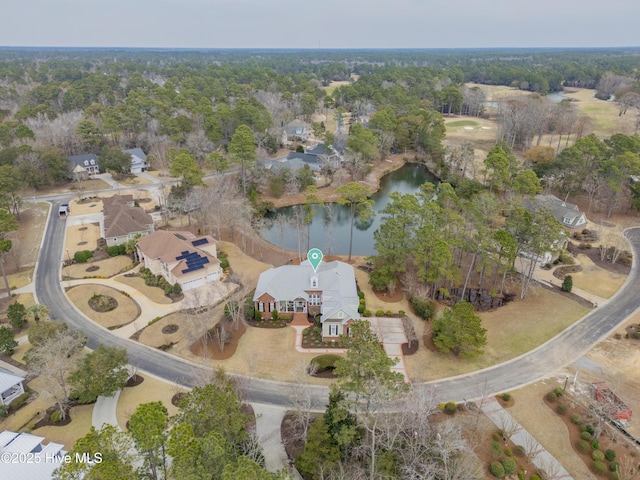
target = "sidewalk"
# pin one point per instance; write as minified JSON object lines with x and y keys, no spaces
{"x":543,"y":459}
{"x":268,"y":422}
{"x":104,"y":411}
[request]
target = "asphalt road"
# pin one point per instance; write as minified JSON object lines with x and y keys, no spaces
{"x":530,"y":367}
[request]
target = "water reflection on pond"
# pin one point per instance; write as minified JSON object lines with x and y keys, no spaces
{"x":330,"y":227}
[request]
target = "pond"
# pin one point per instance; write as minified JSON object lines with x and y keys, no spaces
{"x":330,"y":228}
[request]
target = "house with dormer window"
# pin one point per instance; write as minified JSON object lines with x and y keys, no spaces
{"x":330,"y":293}
{"x":88,"y":161}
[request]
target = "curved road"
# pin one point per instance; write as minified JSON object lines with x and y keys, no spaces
{"x":532,"y":366}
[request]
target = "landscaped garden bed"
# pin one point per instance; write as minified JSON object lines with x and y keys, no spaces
{"x":312,"y":338}
{"x":600,"y":445}
{"x":322,"y":366}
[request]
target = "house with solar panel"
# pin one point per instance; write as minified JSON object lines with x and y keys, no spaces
{"x":181,"y":257}
{"x":330,"y":292}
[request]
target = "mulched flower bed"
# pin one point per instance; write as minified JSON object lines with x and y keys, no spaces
{"x":46,"y":421}
{"x":103,"y":303}
{"x":313,"y":339}
{"x":175,"y":400}
{"x":268,"y":323}
{"x":92,"y":268}
{"x":134,"y":381}
{"x":171,"y":328}
{"x":410,"y":348}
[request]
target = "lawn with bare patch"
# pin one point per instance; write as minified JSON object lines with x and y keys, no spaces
{"x":106,"y":268}
{"x":126,"y":311}
{"x":511,"y":331}
{"x":151,"y":390}
{"x":155,"y":294}
{"x":91,"y":185}
{"x":596,"y":280}
{"x":85,"y":207}
{"x":152,"y":335}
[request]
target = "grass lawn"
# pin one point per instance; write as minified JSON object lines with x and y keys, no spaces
{"x":81,"y":237}
{"x":153,"y":336}
{"x":69,"y":434}
{"x":29,"y":413}
{"x":596,"y":280}
{"x":86,"y":186}
{"x":125,"y":312}
{"x":20,"y":279}
{"x":106,"y":268}
{"x":511,"y":331}
{"x":461,"y":123}
{"x":151,"y":390}
{"x":155,"y":294}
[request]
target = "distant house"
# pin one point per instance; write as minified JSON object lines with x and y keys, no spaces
{"x":295,"y":131}
{"x":35,"y":461}
{"x":138,"y":160}
{"x":88,"y":161}
{"x":123,"y":221}
{"x":11,"y":386}
{"x":181,"y":257}
{"x":316,"y":158}
{"x":566,"y":213}
{"x":330,"y":292}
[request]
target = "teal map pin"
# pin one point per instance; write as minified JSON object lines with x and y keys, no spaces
{"x":315,"y":257}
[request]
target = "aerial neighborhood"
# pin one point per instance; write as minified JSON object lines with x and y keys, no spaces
{"x":323,"y":264}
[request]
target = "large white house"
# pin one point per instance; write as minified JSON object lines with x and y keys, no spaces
{"x":330,"y":292}
{"x":11,"y":387}
{"x":138,"y":160}
{"x":33,"y":459}
{"x":181,"y":257}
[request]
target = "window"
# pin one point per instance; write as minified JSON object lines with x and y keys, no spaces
{"x":93,"y":162}
{"x":314,"y":299}
{"x":272,"y":306}
{"x":261,"y":307}
{"x":86,"y":162}
{"x":333,"y":330}
{"x":314,"y":282}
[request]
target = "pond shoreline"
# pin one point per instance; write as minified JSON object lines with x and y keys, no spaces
{"x":329,"y":194}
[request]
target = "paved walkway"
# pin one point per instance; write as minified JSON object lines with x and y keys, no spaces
{"x":104,"y":411}
{"x":268,"y":422}
{"x":546,"y":277}
{"x":107,"y":178}
{"x":504,"y":421}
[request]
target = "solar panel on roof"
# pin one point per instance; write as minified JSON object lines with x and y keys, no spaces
{"x":201,"y":241}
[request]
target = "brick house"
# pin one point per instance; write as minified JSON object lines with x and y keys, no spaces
{"x":330,"y":293}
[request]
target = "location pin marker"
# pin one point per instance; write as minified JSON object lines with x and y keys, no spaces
{"x":315,"y":257}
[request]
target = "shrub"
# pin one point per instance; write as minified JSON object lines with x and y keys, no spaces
{"x":584,"y":246}
{"x":4,"y":411}
{"x":496,"y":469}
{"x":520,"y":451}
{"x":401,"y":313}
{"x":615,"y":476}
{"x":379,"y":313}
{"x":551,"y":397}
{"x":506,"y":397}
{"x":423,"y":307}
{"x":590,"y":428}
{"x":367,"y":313}
{"x":450,"y":407}
{"x":610,"y":455}
{"x":567,"y":284}
{"x":82,"y":256}
{"x":576,"y":419}
{"x":176,"y":289}
{"x":325,"y":362}
{"x":168,"y":289}
{"x":508,"y":452}
{"x":17,"y":314}
{"x":599,"y":466}
{"x":509,"y":465}
{"x":258,"y":316}
{"x":496,"y":449}
{"x":562,"y":409}
{"x":380,"y":278}
{"x":116,"y":250}
{"x":613,"y":465}
{"x":597,"y":455}
{"x":56,"y":416}
{"x":585,"y":436}
{"x":583,"y":446}
{"x":224,"y":262}
{"x":558,"y":391}
{"x":274,"y":315}
{"x":535,"y":476}
{"x":361,"y":295}
{"x":19,"y":401}
{"x":497,"y":436}
{"x":595,"y":444}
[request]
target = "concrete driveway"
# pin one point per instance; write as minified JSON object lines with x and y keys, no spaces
{"x":391,"y":333}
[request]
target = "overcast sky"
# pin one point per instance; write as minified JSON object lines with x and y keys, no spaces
{"x":319,"y":24}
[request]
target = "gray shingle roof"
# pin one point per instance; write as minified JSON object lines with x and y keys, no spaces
{"x":566,"y":213}
{"x":80,"y":159}
{"x":336,"y":280}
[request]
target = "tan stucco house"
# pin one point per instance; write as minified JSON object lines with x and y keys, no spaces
{"x":330,"y":292}
{"x":181,"y":257}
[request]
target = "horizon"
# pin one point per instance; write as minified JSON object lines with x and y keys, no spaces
{"x":335,"y":24}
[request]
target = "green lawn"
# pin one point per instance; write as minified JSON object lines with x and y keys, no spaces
{"x":462,"y":123}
